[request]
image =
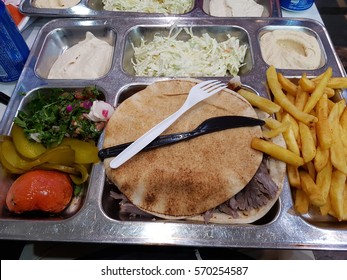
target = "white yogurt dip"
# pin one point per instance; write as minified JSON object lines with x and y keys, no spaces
{"x":290,"y":49}
{"x":55,"y":4}
{"x":235,"y":8}
{"x":89,"y":59}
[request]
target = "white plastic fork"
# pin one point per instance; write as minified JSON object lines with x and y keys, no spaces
{"x":197,"y":93}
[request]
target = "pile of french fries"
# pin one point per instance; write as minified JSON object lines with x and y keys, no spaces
{"x":315,"y":131}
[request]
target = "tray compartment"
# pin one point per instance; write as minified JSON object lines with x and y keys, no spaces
{"x":217,"y":32}
{"x":308,"y":31}
{"x":33,"y":3}
{"x":111,"y":206}
{"x":267,"y":4}
{"x":61,"y":39}
{"x":98,"y":5}
{"x":6,"y":179}
{"x":313,"y":217}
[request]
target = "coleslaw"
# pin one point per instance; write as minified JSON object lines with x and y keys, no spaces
{"x":149,"y":6}
{"x":198,"y":57}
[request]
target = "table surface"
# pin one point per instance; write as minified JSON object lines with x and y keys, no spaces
{"x":30,"y":32}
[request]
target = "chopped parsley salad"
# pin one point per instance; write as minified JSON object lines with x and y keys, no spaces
{"x":51,"y":116}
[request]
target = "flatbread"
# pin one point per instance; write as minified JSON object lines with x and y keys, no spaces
{"x":190,"y":177}
{"x":277,"y":171}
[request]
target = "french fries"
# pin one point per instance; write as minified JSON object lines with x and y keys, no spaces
{"x":323,"y":125}
{"x":308,"y":147}
{"x":301,"y":203}
{"x":292,"y":144}
{"x":336,"y":194}
{"x":275,"y":130}
{"x":314,"y":127}
{"x":337,"y":156}
{"x":301,"y":98}
{"x":343,"y":130}
{"x":321,"y":159}
{"x":318,"y":91}
{"x":283,"y":100}
{"x":334,"y":82}
{"x":307,"y":84}
{"x":293,"y":176}
{"x":287,"y":85}
{"x":293,"y":124}
{"x":323,"y":182}
{"x":262,"y":103}
{"x":330,"y":92}
{"x":277,"y":152}
{"x":310,"y":188}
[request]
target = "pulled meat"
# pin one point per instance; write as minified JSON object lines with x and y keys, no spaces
{"x":126,"y":208}
{"x":257,"y":193}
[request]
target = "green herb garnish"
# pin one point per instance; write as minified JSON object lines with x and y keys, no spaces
{"x":57,"y":113}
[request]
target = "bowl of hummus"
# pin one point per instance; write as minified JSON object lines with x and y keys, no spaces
{"x":56,"y":4}
{"x":72,"y":54}
{"x":237,"y":8}
{"x":291,"y":49}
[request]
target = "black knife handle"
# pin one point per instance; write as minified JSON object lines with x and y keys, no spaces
{"x":157,"y":142}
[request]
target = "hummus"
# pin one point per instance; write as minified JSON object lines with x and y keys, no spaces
{"x":55,"y":4}
{"x":290,"y":49}
{"x":89,"y":59}
{"x":235,"y":8}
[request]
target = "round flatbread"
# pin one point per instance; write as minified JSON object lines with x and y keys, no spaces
{"x":277,"y":172}
{"x":190,"y":177}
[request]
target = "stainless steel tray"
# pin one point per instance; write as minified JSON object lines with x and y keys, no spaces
{"x":98,"y":219}
{"x":94,"y":8}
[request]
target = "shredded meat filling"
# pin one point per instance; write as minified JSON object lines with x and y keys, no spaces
{"x":258,"y":192}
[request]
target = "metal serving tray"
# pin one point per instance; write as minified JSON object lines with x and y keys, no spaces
{"x":94,"y":8}
{"x":99,"y":220}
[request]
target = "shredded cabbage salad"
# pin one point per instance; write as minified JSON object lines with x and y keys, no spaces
{"x":149,"y":6}
{"x":198,"y":57}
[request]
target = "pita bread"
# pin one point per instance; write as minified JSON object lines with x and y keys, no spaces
{"x":187,"y":178}
{"x":277,"y":171}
